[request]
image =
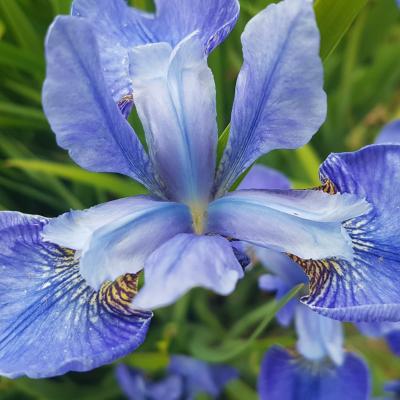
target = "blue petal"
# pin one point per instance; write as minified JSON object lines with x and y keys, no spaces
{"x":119,"y":28}
{"x":51,"y":321}
{"x":368,"y":288}
{"x":175,"y":99}
{"x":122,"y":245}
{"x":283,"y":377}
{"x":286,"y":275}
{"x":390,"y":134}
{"x":200,"y":377}
{"x":304,"y":223}
{"x":185,"y":262}
{"x":261,"y":177}
{"x":318,"y":337}
{"x":136,"y":387}
{"x":393,"y":387}
{"x":80,"y":109}
{"x":279,"y":101}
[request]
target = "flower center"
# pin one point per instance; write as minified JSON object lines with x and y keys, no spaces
{"x":199,"y":214}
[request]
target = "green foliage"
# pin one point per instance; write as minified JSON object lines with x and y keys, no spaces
{"x":360,"y":46}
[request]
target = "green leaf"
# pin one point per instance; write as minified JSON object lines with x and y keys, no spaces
{"x":151,"y":362}
{"x":229,"y":350}
{"x":13,"y":57}
{"x":239,"y":390}
{"x":66,"y":389}
{"x":334,"y":18}
{"x":21,"y":26}
{"x":111,"y":183}
{"x":309,"y":162}
{"x":222,"y":142}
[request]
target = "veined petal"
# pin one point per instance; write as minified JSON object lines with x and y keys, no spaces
{"x":136,"y":387}
{"x":200,"y":377}
{"x":51,"y":322}
{"x":80,"y":109}
{"x":306,"y":223}
{"x":279,"y":101}
{"x":213,"y":19}
{"x":390,"y":134}
{"x":175,"y":99}
{"x":367,"y":289}
{"x":318,"y":337}
{"x":74,"y":229}
{"x":284,"y":377}
{"x":119,"y":28}
{"x":123,"y":246}
{"x":261,"y":177}
{"x":185,"y":262}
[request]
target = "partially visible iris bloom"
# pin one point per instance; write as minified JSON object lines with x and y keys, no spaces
{"x":68,"y":287}
{"x":185,"y":379}
{"x":320,"y":369}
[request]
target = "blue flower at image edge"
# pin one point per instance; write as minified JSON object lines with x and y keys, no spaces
{"x":186,"y":377}
{"x":321,"y":369}
{"x":68,"y":287}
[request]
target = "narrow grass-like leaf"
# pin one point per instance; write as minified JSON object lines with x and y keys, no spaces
{"x":228,"y":351}
{"x":111,"y":183}
{"x":334,"y":18}
{"x":21,"y":26}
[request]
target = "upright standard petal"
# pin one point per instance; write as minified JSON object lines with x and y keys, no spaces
{"x":185,"y":262}
{"x":285,"y":377}
{"x":366,"y":289}
{"x":200,"y":377}
{"x":119,"y":28}
{"x":305,"y":223}
{"x":175,"y":99}
{"x":80,"y":109}
{"x":123,"y":246}
{"x":51,"y":322}
{"x":279,"y":101}
{"x":390,"y":134}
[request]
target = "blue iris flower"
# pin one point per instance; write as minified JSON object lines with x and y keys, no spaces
{"x":68,"y":287}
{"x":321,"y":369}
{"x":186,"y":378}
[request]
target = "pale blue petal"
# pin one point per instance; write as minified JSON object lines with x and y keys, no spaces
{"x":279,"y":101}
{"x":175,"y":99}
{"x":305,"y":223}
{"x":284,"y":377}
{"x":390,"y":134}
{"x":136,"y":387}
{"x":185,"y":262}
{"x":318,"y":337}
{"x":368,"y":288}
{"x":80,"y":109}
{"x":51,"y":322}
{"x":261,"y":177}
{"x":200,"y":377}
{"x":74,"y":229}
{"x":123,"y":246}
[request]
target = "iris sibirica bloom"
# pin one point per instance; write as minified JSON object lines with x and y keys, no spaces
{"x":68,"y":287}
{"x":320,"y":369}
{"x":186,"y":378}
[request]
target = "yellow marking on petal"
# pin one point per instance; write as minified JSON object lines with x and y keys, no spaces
{"x":199,"y":215}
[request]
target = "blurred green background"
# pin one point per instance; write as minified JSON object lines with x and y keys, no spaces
{"x":362,"y":79}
